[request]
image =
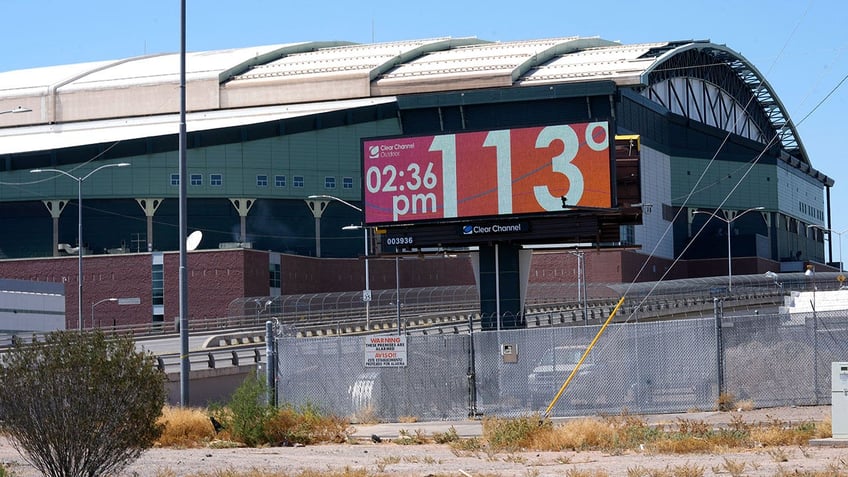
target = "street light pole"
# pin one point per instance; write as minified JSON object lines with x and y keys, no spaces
{"x":80,"y":180}
{"x":366,"y":294}
{"x":729,"y":256}
{"x":97,"y":303}
{"x":839,"y":234}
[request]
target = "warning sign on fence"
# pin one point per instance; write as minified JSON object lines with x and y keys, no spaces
{"x":385,"y":351}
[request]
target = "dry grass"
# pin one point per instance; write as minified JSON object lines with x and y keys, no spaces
{"x":185,"y":427}
{"x":625,"y":432}
{"x":744,"y":405}
{"x":346,"y":472}
{"x":306,"y":425}
{"x":366,"y":415}
{"x":686,"y":470}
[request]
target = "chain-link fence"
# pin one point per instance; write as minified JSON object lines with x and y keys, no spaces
{"x":331,"y":374}
{"x":641,"y":367}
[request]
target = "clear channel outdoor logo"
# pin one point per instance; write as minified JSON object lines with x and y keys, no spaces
{"x":374,"y":152}
{"x":491,"y":229}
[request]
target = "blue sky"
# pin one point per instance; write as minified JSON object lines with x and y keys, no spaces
{"x":799,"y":46}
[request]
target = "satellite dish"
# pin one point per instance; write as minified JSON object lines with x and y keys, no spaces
{"x":193,"y":240}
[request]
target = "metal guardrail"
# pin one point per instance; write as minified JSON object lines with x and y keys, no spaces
{"x":427,"y":318}
{"x":212,"y":359}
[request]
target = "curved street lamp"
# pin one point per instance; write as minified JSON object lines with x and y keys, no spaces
{"x":366,"y":294}
{"x":97,"y":303}
{"x":728,"y":222}
{"x":80,"y":180}
{"x":831,"y":232}
{"x":19,"y":109}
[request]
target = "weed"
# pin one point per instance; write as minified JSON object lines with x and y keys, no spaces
{"x":737,"y":424}
{"x":725,"y":402}
{"x":466,"y":447}
{"x":778,"y":454}
{"x":248,"y":413}
{"x":637,"y":471}
{"x":515,"y":459}
{"x":513,"y":434}
{"x":744,"y":405}
{"x":687,"y":470}
{"x":405,"y":438}
{"x":414,"y":459}
{"x":779,"y":433}
{"x":306,"y":425}
{"x":586,"y":473}
{"x":805,"y":452}
{"x":366,"y":415}
{"x":734,"y":468}
{"x":445,"y":437}
{"x":183,"y":427}
{"x":384,"y":461}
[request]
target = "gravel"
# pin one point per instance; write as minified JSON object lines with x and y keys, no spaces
{"x":390,"y":458}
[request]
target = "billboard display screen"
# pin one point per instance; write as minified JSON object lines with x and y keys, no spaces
{"x":487,"y":173}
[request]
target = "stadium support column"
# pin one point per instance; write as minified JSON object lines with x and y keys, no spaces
{"x":317,"y":207}
{"x":243,"y":207}
{"x":55,"y":208}
{"x":149,"y":207}
{"x":502,"y":278}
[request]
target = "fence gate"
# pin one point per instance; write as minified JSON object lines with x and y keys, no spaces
{"x":330,"y":373}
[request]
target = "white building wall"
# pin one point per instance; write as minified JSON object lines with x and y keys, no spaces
{"x":30,"y":308}
{"x":655,"y":235}
{"x":799,"y":195}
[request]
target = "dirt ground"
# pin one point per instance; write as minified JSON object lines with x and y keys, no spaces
{"x":387,"y":458}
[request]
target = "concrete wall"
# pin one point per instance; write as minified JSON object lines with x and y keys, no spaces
{"x":208,"y":386}
{"x":31,"y":306}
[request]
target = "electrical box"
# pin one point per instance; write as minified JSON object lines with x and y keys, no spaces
{"x":839,"y":400}
{"x":509,"y":352}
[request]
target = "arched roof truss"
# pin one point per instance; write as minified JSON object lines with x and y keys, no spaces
{"x":714,"y":85}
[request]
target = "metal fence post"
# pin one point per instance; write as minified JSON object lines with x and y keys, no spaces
{"x":271,"y":365}
{"x":472,"y":376}
{"x":717,"y":313}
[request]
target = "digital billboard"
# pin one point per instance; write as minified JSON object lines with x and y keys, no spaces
{"x":501,"y":172}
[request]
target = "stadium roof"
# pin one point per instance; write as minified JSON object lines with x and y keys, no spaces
{"x":136,"y":97}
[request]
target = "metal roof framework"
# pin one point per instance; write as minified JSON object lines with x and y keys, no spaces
{"x":706,"y":82}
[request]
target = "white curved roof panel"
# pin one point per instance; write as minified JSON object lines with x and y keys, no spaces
{"x":224,"y":82}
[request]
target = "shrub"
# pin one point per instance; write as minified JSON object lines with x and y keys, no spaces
{"x":79,"y":403}
{"x":306,"y":425}
{"x":247,"y":414}
{"x":184,"y":427}
{"x":513,"y":434}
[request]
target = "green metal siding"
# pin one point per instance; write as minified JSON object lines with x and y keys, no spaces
{"x":758,"y":189}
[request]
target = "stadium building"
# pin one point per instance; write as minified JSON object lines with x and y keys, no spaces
{"x":687,"y":133}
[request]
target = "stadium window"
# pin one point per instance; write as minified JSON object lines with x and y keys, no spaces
{"x":158,"y":283}
{"x":216,"y":179}
{"x":297,"y":181}
{"x":196,"y":180}
{"x":274,"y":275}
{"x":628,"y":234}
{"x":347,"y":183}
{"x":262,"y":180}
{"x":280,"y":181}
{"x":329,"y":182}
{"x":175,"y":179}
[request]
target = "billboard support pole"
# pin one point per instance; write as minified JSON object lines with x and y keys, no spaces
{"x":497,"y":287}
